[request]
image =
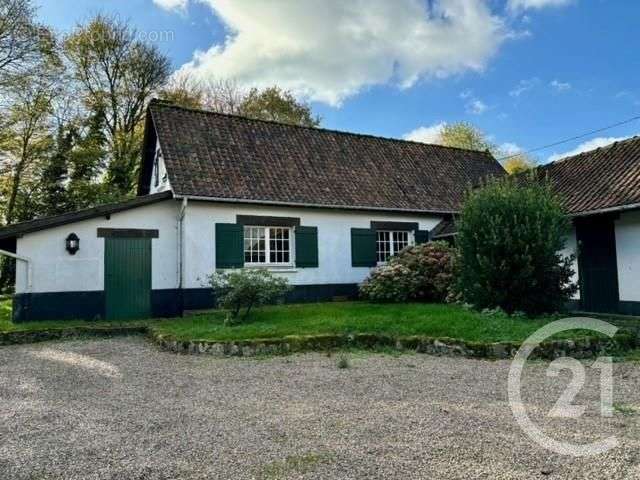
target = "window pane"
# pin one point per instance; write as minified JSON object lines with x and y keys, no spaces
{"x":383,"y":246}
{"x":254,"y":244}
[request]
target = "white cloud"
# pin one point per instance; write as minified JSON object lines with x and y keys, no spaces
{"x":560,"y":86}
{"x":524,"y":86}
{"x":537,"y":4}
{"x":331,"y":52}
{"x":509,"y":148}
{"x":172,"y":4}
{"x":477,"y":107}
{"x":586,"y":146}
{"x":423,"y":134}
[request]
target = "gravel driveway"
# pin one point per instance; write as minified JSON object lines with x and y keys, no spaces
{"x":121,"y":409}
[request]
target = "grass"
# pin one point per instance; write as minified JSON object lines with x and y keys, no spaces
{"x":433,"y":320}
{"x":342,"y":318}
{"x":6,"y":325}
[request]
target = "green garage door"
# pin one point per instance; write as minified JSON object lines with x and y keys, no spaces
{"x":127,"y":278}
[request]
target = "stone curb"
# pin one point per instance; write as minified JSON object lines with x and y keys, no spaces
{"x":22,"y":337}
{"x":587,"y":347}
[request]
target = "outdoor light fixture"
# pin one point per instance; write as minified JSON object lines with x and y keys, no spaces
{"x":73,"y":243}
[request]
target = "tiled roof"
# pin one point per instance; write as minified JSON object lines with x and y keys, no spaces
{"x":446,"y":228}
{"x":229,"y":157}
{"x":43,"y":223}
{"x":605,"y":178}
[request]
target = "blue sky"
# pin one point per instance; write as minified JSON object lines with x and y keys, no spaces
{"x":527,"y":72}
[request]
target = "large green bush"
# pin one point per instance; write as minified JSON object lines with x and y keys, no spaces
{"x":247,"y":288}
{"x":510,"y":234}
{"x":418,"y":273}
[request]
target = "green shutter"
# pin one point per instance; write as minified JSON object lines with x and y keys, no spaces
{"x":422,"y":236}
{"x":363,"y":247}
{"x":306,"y":247}
{"x":229,"y":245}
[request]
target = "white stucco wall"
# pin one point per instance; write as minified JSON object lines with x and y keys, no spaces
{"x":55,"y":270}
{"x":628,"y":254}
{"x":334,"y":239}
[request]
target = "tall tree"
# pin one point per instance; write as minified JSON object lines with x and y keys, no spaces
{"x":117,"y":75}
{"x":25,"y":142}
{"x":278,"y":105}
{"x":23,"y":41}
{"x":465,"y":135}
{"x":225,"y":96}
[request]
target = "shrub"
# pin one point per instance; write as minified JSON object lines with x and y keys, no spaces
{"x":418,"y":273}
{"x":510,"y":234}
{"x":247,"y":288}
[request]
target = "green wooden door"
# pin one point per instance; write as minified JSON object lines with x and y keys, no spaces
{"x":127,"y":278}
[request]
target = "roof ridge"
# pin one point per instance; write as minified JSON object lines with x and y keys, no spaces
{"x":589,"y":152}
{"x":164,"y":103}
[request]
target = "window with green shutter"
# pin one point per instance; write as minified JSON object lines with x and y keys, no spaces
{"x":306,"y":247}
{"x":363,"y":247}
{"x":229,"y":245}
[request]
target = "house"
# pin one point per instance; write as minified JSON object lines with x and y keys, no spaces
{"x":316,"y":206}
{"x":600,"y":190}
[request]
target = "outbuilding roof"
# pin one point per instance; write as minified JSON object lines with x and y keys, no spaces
{"x":606,"y":178}
{"x":66,"y":218}
{"x":223,"y":157}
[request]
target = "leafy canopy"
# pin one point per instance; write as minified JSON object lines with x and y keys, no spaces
{"x":510,"y":234}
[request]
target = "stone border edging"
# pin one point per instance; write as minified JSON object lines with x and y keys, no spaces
{"x":20,"y":337}
{"x":587,"y":347}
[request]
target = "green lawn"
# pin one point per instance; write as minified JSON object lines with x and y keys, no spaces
{"x":431,"y":320}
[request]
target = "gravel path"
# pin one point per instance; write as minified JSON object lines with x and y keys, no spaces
{"x":121,"y":409}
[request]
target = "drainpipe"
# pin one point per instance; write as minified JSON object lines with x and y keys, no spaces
{"x":181,"y":215}
{"x":28,"y":263}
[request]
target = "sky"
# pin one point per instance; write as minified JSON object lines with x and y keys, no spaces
{"x":528,"y":73}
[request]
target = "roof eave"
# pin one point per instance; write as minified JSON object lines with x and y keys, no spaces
{"x":602,"y":211}
{"x":312,"y":205}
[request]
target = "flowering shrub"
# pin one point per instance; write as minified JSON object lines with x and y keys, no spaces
{"x":418,"y":273}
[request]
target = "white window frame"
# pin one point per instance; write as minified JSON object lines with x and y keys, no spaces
{"x":411,"y":240}
{"x":267,"y":263}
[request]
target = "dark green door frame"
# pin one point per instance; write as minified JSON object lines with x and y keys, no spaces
{"x":127,"y":277}
{"x":597,"y":264}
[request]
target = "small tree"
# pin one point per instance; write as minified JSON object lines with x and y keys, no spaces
{"x":510,"y":234}
{"x":247,"y":288}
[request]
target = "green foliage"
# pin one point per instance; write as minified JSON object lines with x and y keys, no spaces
{"x":418,"y":273}
{"x":247,"y":288}
{"x":278,"y":105}
{"x":509,"y":238}
{"x":465,"y":135}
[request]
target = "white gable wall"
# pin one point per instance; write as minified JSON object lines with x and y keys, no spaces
{"x":55,"y":270}
{"x":334,"y":239}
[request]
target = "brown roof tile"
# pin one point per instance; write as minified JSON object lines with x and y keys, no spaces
{"x":229,"y":157}
{"x":608,"y":177}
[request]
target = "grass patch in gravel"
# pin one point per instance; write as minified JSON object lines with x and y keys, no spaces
{"x":294,"y":465}
{"x":394,"y":320}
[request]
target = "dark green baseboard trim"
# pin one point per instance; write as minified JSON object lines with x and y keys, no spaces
{"x":165,"y":303}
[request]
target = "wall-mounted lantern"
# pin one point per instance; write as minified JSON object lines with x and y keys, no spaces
{"x":73,"y":243}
